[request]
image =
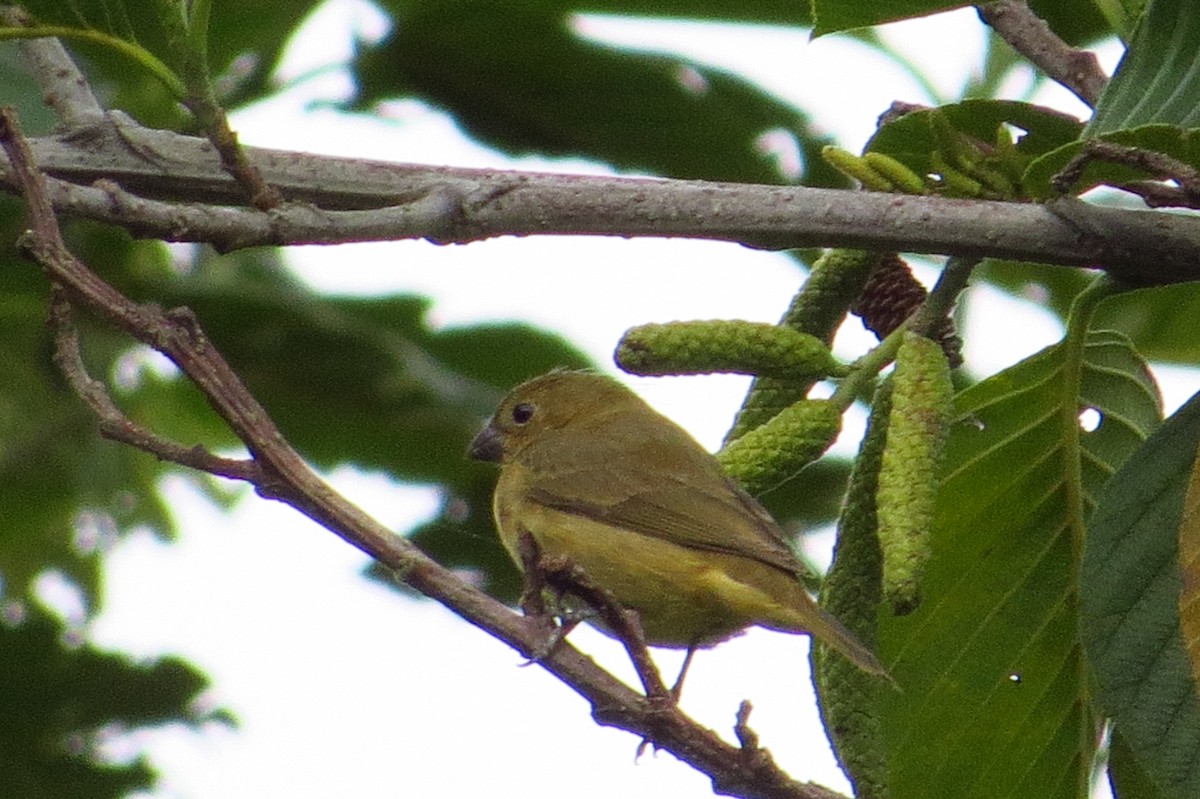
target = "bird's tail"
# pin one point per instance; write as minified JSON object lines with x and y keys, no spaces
{"x":824,"y":627}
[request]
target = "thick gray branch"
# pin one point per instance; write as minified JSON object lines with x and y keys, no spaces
{"x":164,"y":185}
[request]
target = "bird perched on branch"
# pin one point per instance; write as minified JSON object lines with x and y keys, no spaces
{"x":595,"y":475}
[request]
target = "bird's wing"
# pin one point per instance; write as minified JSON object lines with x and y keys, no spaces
{"x":716,"y":516}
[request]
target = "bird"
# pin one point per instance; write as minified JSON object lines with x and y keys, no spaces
{"x":594,"y":475}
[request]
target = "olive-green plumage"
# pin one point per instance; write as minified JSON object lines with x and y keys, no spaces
{"x":594,"y":474}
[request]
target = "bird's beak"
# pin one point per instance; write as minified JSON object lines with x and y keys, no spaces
{"x":486,"y":446}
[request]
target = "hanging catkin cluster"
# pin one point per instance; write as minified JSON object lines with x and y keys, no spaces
{"x":852,"y":591}
{"x":818,"y":309}
{"x":778,"y":430}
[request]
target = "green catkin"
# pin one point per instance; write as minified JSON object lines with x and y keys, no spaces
{"x":835,"y":280}
{"x":922,"y":405}
{"x":900,"y":176}
{"x":856,"y":168}
{"x":725,"y":346}
{"x":779,"y":449}
{"x":971,"y":167}
{"x":848,"y":697}
{"x":998,"y":185}
{"x":818,"y":309}
{"x":955,"y":183}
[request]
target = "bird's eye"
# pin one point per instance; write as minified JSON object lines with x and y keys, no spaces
{"x":522,"y":412}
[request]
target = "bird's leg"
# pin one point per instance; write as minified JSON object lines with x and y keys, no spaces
{"x":677,"y":688}
{"x":562,"y":576}
{"x":624,"y":624}
{"x":673,"y":702}
{"x":533,"y":599}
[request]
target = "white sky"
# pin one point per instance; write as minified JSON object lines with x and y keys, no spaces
{"x":345,"y":688}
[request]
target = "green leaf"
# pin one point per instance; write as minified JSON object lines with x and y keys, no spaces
{"x":1158,"y":80}
{"x":994,"y":699}
{"x":1051,"y":288}
{"x":1076,"y":21}
{"x":56,"y":698}
{"x":23,"y":94}
{"x":774,"y":12}
{"x":1152,"y":102}
{"x":1129,"y":614}
{"x":912,"y":137}
{"x":517,"y":78}
{"x":832,"y":16}
{"x":1122,"y":15}
{"x":1160,"y":321}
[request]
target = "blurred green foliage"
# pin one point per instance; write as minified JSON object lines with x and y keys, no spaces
{"x":62,"y":697}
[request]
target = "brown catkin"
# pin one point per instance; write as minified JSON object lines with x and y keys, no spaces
{"x":891,"y":295}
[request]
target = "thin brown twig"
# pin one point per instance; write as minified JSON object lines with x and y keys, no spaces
{"x":187,"y":39}
{"x":747,"y":736}
{"x":283,"y":475}
{"x":751,"y":752}
{"x":114,"y":424}
{"x":1160,"y":165}
{"x":262,"y":195}
{"x":1029,"y":35}
{"x":1158,"y":195}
